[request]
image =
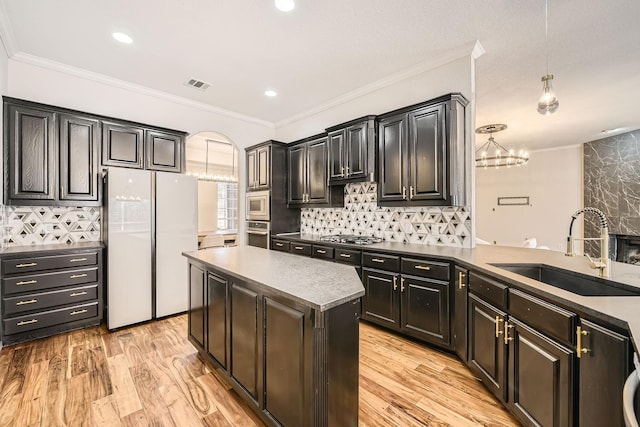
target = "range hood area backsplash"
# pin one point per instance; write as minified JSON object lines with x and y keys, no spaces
{"x":39,"y":225}
{"x":442,"y":226}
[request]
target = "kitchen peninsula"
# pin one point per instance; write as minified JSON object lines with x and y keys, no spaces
{"x":283,"y":329}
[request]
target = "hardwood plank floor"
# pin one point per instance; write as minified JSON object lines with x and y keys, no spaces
{"x":151,"y":375}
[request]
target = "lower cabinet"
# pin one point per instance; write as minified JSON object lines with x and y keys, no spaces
{"x":196,"y":305}
{"x":244,"y":338}
{"x":460,"y":310}
{"x":217,"y":333}
{"x":380,"y":301}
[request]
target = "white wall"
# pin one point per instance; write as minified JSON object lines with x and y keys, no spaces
{"x":4,"y":73}
{"x":553,"y":181}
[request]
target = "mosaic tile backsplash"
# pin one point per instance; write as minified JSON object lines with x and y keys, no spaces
{"x":36,"y":225}
{"x":444,"y":226}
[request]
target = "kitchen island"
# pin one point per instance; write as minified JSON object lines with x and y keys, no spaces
{"x":283,"y":329}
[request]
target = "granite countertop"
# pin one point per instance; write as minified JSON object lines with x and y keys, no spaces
{"x":311,"y":282}
{"x":13,"y":250}
{"x":620,"y":311}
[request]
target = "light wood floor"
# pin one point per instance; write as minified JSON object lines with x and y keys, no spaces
{"x":150,"y":375}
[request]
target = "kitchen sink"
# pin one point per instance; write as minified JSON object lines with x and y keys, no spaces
{"x":571,"y":281}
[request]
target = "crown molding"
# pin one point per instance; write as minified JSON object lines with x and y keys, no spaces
{"x":122,"y":84}
{"x":472,"y":48}
{"x":6,"y":32}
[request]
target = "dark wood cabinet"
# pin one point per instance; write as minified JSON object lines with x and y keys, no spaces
{"x":352,"y":151}
{"x":122,"y":145}
{"x":425,"y":309}
{"x":308,"y":175}
{"x":164,"y":151}
{"x":380,"y":301}
{"x":196,"y":305}
{"x":603,"y":369}
{"x":460,"y":324}
{"x":30,"y":152}
{"x":258,"y":167}
{"x":217,"y":334}
{"x":244,"y":338}
{"x":421,"y":154}
{"x":79,"y":177}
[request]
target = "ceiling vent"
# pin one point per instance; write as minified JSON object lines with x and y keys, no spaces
{"x":198,"y":84}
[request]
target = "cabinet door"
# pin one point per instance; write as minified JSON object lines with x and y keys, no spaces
{"x":251,"y":169}
{"x":392,"y":159}
{"x":427,"y":154}
{"x":487,"y":351}
{"x":122,"y":145}
{"x":244,"y":338}
{"x":425,"y":309}
{"x":380,"y":301}
{"x":217,"y":319}
{"x":356,"y":151}
{"x":284,"y":363}
{"x":460,"y":313}
{"x":297,"y":172}
{"x":603,"y":371}
{"x":79,"y":177}
{"x":196,"y":305}
{"x":263,"y":165}
{"x":540,"y":378}
{"x":336,"y":155}
{"x":317,"y":167}
{"x":31,"y":147}
{"x":164,"y":151}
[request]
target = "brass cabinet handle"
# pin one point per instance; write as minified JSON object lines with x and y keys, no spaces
{"x":422,"y":267}
{"x":579,"y":334}
{"x":321,"y":251}
{"x":410,"y":192}
{"x":404,"y":192}
{"x":461,"y":276}
{"x":31,"y":301}
{"x":381,"y":261}
{"x":498,"y":328}
{"x":395,"y":283}
{"x":347,"y":170}
{"x":29,"y":264}
{"x":73,"y":313}
{"x":27,"y":322}
{"x":402,"y":284}
{"x":77,"y":276}
{"x":345,"y":255}
{"x":279,"y":244}
{"x":27,"y":282}
{"x":77,"y":259}
{"x":77,"y":294}
{"x":507,"y":327}
{"x":298,"y":248}
{"x":342,"y":171}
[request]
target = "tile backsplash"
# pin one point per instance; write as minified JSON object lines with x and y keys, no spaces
{"x":444,"y":226}
{"x":36,"y":225}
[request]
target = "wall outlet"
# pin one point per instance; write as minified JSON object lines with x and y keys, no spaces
{"x":48,"y":228}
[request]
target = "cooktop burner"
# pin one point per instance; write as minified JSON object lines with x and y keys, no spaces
{"x":350,"y":238}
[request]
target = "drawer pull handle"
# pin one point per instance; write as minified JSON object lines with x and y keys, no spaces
{"x":27,"y":322}
{"x":77,"y":294}
{"x":29,"y":264}
{"x":395,"y":283}
{"x":298,"y":248}
{"x":279,"y":244}
{"x":27,"y":282}
{"x":461,"y":280}
{"x":402,"y":284}
{"x":31,"y":301}
{"x":73,"y":313}
{"x":498,"y":328}
{"x":422,"y":267}
{"x":381,"y":261}
{"x":321,"y":251}
{"x":345,"y":255}
{"x":77,"y":259}
{"x":78,"y":276}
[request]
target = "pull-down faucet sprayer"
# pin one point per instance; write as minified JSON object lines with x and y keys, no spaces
{"x":602,"y":264}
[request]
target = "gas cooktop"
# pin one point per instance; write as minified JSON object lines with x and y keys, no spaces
{"x":350,"y":238}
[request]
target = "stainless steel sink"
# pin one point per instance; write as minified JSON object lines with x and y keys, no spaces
{"x":571,"y":281}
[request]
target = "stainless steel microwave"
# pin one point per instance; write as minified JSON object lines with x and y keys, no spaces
{"x":257,"y":208}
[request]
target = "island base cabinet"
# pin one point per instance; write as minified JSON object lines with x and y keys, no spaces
{"x":244,"y":338}
{"x":217,"y":335}
{"x":196,"y":305}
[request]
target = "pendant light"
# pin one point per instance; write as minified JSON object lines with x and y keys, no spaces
{"x":548,"y":102}
{"x":492,"y":154}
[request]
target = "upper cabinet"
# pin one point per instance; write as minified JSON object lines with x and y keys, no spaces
{"x":164,"y":150}
{"x":352,"y":151}
{"x":122,"y":145}
{"x":308,"y":175}
{"x":421,"y":152}
{"x":258,"y":167}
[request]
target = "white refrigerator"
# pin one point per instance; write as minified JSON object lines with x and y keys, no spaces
{"x":150,"y":219}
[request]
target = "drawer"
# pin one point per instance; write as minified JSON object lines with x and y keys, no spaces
{"x":300,"y":248}
{"x":347,"y":256}
{"x":29,"y":264}
{"x":44,"y":300}
{"x":280,"y":245}
{"x":554,"y":321}
{"x":37,"y":282}
{"x":319,"y":251}
{"x":428,"y":269}
{"x":490,"y":290}
{"x":382,"y":262}
{"x":43,"y":319}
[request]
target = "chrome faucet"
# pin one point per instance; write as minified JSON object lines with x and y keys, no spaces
{"x":603,"y":264}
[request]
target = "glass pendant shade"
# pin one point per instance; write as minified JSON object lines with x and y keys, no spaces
{"x":548,"y":102}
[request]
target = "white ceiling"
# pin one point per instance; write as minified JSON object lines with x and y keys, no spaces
{"x":324,"y":49}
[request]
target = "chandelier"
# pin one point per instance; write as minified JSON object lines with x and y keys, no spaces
{"x":492,"y":154}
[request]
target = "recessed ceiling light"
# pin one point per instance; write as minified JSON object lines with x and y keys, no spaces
{"x":285,"y":5}
{"x":270,"y":93}
{"x":122,"y":38}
